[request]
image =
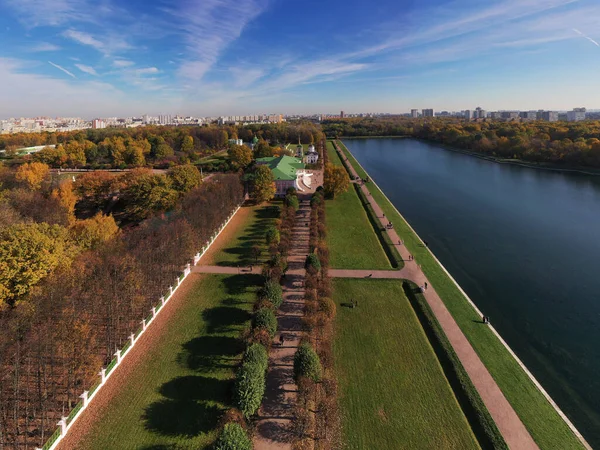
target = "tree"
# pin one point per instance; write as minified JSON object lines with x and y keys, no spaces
{"x":29,"y":252}
{"x":262,"y":149}
{"x":32,"y":174}
{"x":256,"y":252}
{"x":264,"y":184}
{"x":149,"y":193}
{"x":307,"y":363}
{"x":185,"y":178}
{"x":336,"y":180}
{"x":65,"y":196}
{"x":241,"y":156}
{"x":233,"y":437}
{"x":91,"y":233}
{"x":265,"y":318}
{"x":187,"y":144}
{"x":272,"y":236}
{"x":312,"y":260}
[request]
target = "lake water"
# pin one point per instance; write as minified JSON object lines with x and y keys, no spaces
{"x":525,"y":246}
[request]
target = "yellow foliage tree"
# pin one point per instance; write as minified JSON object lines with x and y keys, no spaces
{"x":336,"y":180}
{"x":67,"y":199}
{"x":32,"y":174}
{"x":90,"y":233}
{"x":264,"y":184}
{"x":241,"y":156}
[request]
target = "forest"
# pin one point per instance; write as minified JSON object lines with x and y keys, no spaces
{"x":75,"y":282}
{"x":568,"y":144}
{"x":150,"y":146}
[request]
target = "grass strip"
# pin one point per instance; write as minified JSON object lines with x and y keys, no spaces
{"x":481,"y":421}
{"x":540,"y":418}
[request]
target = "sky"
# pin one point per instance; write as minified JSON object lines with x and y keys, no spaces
{"x":106,"y":58}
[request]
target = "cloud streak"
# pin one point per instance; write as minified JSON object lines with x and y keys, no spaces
{"x":62,"y":68}
{"x":87,"y":69}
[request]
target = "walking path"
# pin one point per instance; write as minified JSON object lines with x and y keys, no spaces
{"x":514,"y":432}
{"x":277,"y":411}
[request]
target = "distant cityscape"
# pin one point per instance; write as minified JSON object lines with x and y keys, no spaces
{"x":48,"y":124}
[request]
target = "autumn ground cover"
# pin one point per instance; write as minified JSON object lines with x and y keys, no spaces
{"x":239,"y":250}
{"x":393,"y":391}
{"x":351,"y":238}
{"x":539,"y":417}
{"x":177,"y":393}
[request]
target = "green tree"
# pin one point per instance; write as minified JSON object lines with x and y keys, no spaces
{"x":272,"y":236}
{"x":265,"y":318}
{"x":249,"y":388}
{"x":187,"y":144}
{"x":233,"y":437}
{"x":262,"y":149}
{"x":263,"y":185}
{"x":241,"y":156}
{"x":28,"y":253}
{"x":273,"y":292}
{"x":149,"y":193}
{"x":307,"y":363}
{"x":336,"y":180}
{"x":185,"y":178}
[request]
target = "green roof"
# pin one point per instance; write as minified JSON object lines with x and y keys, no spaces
{"x":283,"y":167}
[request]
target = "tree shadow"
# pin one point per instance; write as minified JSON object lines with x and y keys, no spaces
{"x":239,"y":284}
{"x":180,"y":417}
{"x":210,"y":352}
{"x":221,"y":318}
{"x":196,"y":387}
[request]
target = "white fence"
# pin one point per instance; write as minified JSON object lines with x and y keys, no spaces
{"x":65,"y":423}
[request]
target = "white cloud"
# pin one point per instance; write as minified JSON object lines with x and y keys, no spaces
{"x":44,"y":47}
{"x":122,"y":63}
{"x":34,"y":13}
{"x":87,"y":69}
{"x":84,"y":39}
{"x":146,"y":71}
{"x":110,"y":44}
{"x":62,"y":68}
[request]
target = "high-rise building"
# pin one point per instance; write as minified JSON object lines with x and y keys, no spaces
{"x":414,"y":113}
{"x":427,"y":112}
{"x":528,"y":115}
{"x":479,"y":113}
{"x":576,"y":115}
{"x":98,"y":123}
{"x":341,"y":114}
{"x":550,"y":116}
{"x":165,"y":119}
{"x":467,"y":114}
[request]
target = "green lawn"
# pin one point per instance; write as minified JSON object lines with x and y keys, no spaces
{"x":238,"y":252}
{"x":393,"y":392}
{"x":540,"y":418}
{"x":351,"y":238}
{"x":175,"y":396}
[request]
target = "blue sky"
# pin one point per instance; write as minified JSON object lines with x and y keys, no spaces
{"x":211,"y":57}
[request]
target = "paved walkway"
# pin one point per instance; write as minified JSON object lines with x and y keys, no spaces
{"x":277,"y":411}
{"x":514,"y":432}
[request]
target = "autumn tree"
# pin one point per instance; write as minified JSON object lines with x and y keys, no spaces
{"x":240,"y":155}
{"x":187,"y":144}
{"x":32,"y":174}
{"x":336,"y":180}
{"x":185,"y":177}
{"x":263,"y":185}
{"x":149,"y":193}
{"x":263,"y":150}
{"x":91,"y":233}
{"x":28,"y":252}
{"x":66,"y":198}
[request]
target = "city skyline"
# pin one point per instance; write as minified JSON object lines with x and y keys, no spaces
{"x":223,"y":57}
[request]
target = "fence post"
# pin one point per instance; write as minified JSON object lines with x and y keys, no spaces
{"x":84,"y":396}
{"x":162,"y":300}
{"x":144,"y":324}
{"x":189,"y":269}
{"x":102,"y":374}
{"x":132,"y":337}
{"x":62,"y":423}
{"x":118,"y":355}
{"x":171,"y":289}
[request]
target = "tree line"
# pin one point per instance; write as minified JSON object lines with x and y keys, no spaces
{"x":155,"y":146}
{"x":95,"y":285}
{"x":558,"y":143}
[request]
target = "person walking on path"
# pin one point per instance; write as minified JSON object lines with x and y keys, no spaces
{"x":281,"y":339}
{"x":425,"y":285}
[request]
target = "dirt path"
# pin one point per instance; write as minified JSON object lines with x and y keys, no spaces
{"x":150,"y":339}
{"x":277,"y":411}
{"x":514,"y":432}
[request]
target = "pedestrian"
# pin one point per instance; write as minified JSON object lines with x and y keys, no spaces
{"x":281,"y":339}
{"x":426,"y":285}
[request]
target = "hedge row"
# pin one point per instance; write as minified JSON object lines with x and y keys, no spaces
{"x":233,"y":437}
{"x":307,"y":363}
{"x":479,"y":418}
{"x":250,"y":382}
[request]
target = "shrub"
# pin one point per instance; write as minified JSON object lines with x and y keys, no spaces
{"x":257,"y":354}
{"x":261,"y":336}
{"x":265,"y":318}
{"x":312,"y":260}
{"x":272,"y":291}
{"x":292,"y":202}
{"x":272,"y":236}
{"x":291,"y":191}
{"x":327,"y":306}
{"x":249,"y":388}
{"x":307,"y":363}
{"x":233,"y":437}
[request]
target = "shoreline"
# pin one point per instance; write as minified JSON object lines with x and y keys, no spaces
{"x":514,"y":162}
{"x":547,"y":396}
